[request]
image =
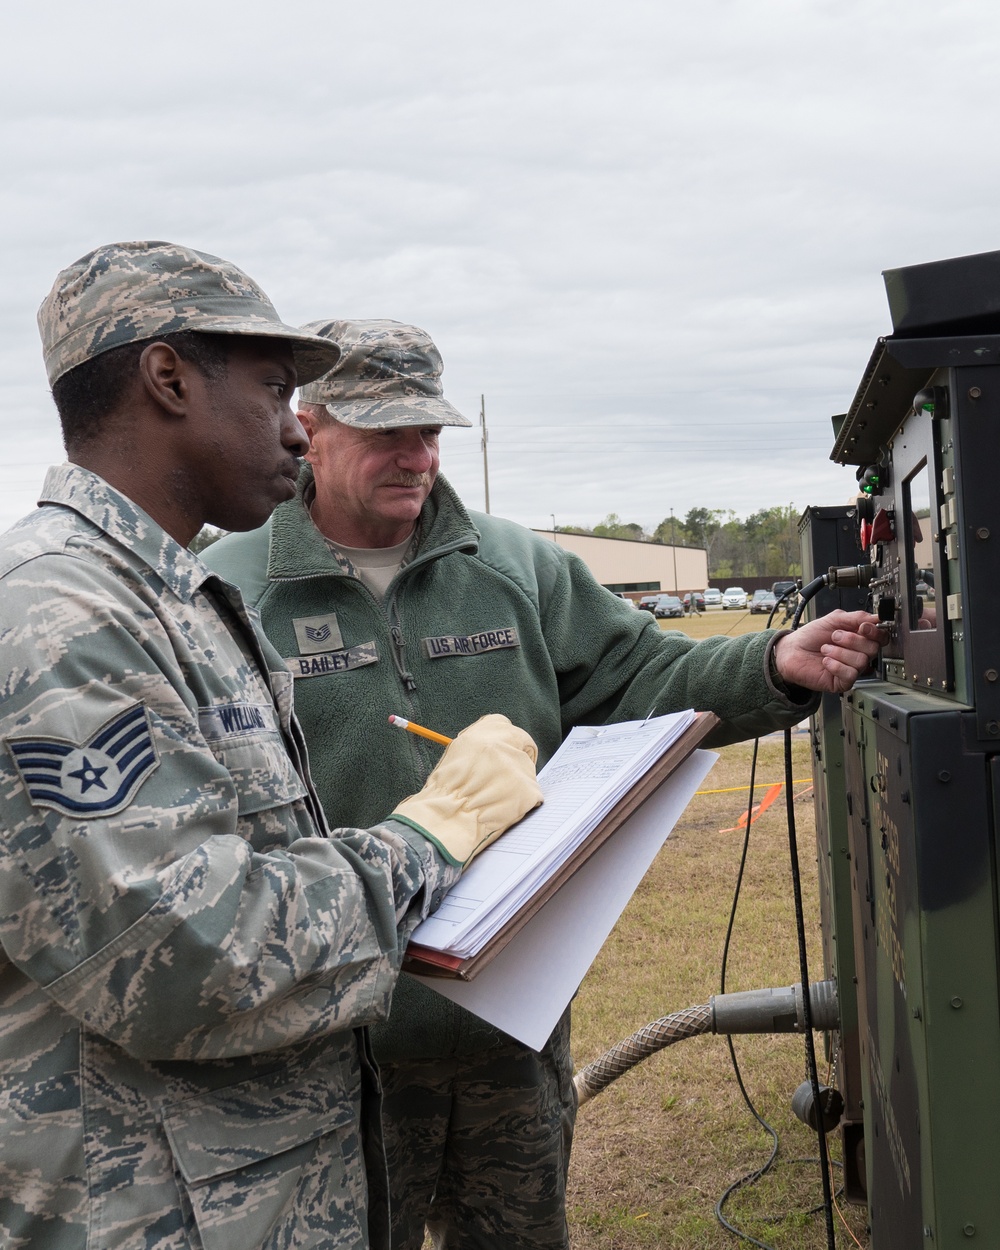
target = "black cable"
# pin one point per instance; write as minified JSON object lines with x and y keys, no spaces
{"x":739,"y":874}
{"x":751,"y":1177}
{"x":810,"y":1162}
{"x":786,"y":597}
{"x":800,"y":929}
{"x":807,"y":593}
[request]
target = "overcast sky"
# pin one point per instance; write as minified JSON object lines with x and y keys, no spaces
{"x":651,"y":234}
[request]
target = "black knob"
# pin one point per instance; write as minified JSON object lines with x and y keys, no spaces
{"x":886,"y":608}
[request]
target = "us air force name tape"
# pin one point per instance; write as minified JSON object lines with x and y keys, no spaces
{"x":333,"y":661}
{"x":470,"y":644}
{"x":97,"y":777}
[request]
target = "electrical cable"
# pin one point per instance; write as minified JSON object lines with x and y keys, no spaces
{"x":700,"y":1019}
{"x":740,"y":870}
{"x":800,"y":928}
{"x":807,"y":593}
{"x":751,"y":1177}
{"x":843,"y":1218}
{"x":811,"y":1161}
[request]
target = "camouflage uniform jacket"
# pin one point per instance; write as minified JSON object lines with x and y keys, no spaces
{"x":486,"y":617}
{"x":185,"y":953}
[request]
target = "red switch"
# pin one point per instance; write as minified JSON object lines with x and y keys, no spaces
{"x":882,"y":527}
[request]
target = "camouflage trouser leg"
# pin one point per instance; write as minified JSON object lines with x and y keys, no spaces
{"x":478,"y":1147}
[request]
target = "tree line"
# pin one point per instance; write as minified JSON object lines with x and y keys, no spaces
{"x":764,"y":544}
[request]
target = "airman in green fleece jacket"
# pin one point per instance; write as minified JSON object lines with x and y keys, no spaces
{"x":474,"y":614}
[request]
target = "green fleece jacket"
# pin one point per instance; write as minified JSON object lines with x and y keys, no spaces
{"x":487,"y":617}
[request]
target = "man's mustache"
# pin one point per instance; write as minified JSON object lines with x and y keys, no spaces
{"x":408,"y":479}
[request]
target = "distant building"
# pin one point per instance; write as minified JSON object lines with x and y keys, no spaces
{"x":636,"y":568}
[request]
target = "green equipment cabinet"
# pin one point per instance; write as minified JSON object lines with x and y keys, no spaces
{"x":906,"y":769}
{"x":921,"y":839}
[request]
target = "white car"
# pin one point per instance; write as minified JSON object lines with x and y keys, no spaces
{"x":713,"y":597}
{"x":734,"y":597}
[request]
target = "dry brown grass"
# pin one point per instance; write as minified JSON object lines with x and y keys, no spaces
{"x":654,"y":1151}
{"x":715,"y":621}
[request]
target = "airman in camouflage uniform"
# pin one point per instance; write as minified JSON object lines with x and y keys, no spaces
{"x":187,"y":957}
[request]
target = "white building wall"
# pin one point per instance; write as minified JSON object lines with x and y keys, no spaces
{"x":614,"y":561}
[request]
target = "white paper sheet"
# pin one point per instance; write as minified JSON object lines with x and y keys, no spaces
{"x":526,"y":988}
{"x":589,"y":773}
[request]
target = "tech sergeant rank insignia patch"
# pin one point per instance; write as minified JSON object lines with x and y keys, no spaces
{"x":98,"y":777}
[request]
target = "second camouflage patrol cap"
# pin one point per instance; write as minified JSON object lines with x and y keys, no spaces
{"x":126,"y":292}
{"x":388,"y":375}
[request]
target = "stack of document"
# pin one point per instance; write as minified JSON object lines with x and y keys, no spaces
{"x":590,"y":773}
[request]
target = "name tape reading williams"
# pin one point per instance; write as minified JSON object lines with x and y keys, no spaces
{"x":470,"y":644}
{"x":236,"y":720}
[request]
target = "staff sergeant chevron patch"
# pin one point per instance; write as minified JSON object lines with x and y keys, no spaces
{"x":94,"y":778}
{"x":317,"y":633}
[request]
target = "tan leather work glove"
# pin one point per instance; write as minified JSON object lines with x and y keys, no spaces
{"x":484,"y":782}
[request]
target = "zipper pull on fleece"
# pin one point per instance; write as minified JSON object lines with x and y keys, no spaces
{"x":399,"y":644}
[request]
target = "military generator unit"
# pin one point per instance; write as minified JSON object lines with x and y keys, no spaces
{"x":907,"y":767}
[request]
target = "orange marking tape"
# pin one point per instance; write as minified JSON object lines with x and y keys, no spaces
{"x":758,"y":809}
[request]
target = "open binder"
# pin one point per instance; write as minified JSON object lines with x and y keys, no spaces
{"x":439,"y":961}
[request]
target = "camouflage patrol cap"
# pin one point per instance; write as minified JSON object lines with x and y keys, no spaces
{"x":388,"y":375}
{"x":126,"y":292}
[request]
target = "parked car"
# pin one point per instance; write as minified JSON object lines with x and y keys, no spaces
{"x":648,"y":603}
{"x":763,"y":601}
{"x":779,"y":588}
{"x":699,"y":601}
{"x":619,"y":595}
{"x":734,"y":597}
{"x":713,"y":597}
{"x":668,"y":605}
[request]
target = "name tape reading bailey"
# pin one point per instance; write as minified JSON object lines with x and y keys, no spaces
{"x":333,"y":661}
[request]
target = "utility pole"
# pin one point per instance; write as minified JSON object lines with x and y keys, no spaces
{"x":485,"y":440}
{"x":553,"y":516}
{"x":673,"y":548}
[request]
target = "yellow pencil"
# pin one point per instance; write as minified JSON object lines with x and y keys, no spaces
{"x":414,"y":728}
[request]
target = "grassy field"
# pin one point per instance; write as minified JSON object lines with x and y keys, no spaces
{"x":715,"y":621}
{"x":655,"y":1150}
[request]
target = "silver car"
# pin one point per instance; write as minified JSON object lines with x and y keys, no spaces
{"x":734,"y":597}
